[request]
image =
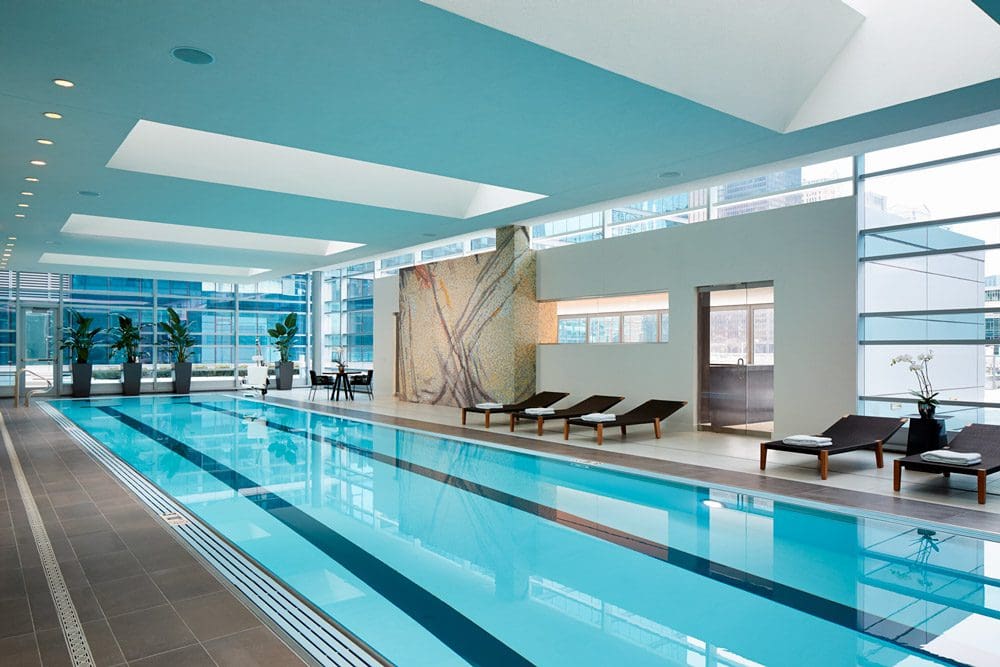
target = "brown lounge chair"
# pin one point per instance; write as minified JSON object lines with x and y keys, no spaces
{"x":651,"y":412}
{"x":540,"y":400}
{"x":983,"y":439}
{"x":849,"y":433}
{"x":595,"y":403}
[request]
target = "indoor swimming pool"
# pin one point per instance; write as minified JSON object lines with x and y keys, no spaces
{"x":437,"y":552}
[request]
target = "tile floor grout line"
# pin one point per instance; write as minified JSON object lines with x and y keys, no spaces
{"x":69,"y":620}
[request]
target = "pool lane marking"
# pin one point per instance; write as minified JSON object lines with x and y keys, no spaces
{"x":455,"y":630}
{"x":69,"y":619}
{"x":788,"y":596}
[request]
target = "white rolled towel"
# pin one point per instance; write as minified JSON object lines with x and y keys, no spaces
{"x":540,"y":411}
{"x":489,"y":406}
{"x":599,"y":417}
{"x":952,"y":457}
{"x":808,"y":440}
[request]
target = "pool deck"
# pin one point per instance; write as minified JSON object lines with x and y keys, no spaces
{"x":713,"y":458}
{"x":143,"y":597}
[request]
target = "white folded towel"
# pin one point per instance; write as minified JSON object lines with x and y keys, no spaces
{"x":489,"y":406}
{"x":599,"y":417}
{"x":540,"y":411}
{"x":952,"y":457}
{"x":808,"y":440}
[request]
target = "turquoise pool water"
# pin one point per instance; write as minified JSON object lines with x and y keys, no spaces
{"x":440,"y":552}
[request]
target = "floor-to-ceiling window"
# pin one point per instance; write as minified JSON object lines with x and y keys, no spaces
{"x":930,"y":269}
{"x":212,"y":309}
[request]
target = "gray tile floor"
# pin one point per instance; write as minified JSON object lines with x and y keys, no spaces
{"x":142,"y":597}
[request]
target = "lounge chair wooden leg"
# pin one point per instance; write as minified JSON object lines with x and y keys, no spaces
{"x":513,"y":418}
{"x":763,"y":456}
{"x":824,"y":463}
{"x":656,"y":428}
{"x":566,"y":430}
{"x":981,"y":486}
{"x":487,"y":419}
{"x":600,"y":434}
{"x":463,"y":416}
{"x":897,"y":475}
{"x":624,"y":431}
{"x":541,"y":425}
{"x":879,"y":459}
{"x":946,"y":474}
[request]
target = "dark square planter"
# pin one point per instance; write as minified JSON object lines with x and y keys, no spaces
{"x":82,"y":376}
{"x":182,"y":377}
{"x":131,"y":379}
{"x":286,"y":374}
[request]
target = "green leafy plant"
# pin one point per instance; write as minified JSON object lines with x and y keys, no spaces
{"x":283,"y":333}
{"x":126,"y":338}
{"x":178,"y":333}
{"x":81,"y":338}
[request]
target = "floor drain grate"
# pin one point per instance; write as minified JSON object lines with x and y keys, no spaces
{"x":174,"y":519}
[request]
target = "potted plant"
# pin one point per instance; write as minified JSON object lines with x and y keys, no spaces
{"x":283,"y":334}
{"x":126,"y":338}
{"x":926,"y":396}
{"x":338,"y":358}
{"x":179,"y":344}
{"x":79,"y":340}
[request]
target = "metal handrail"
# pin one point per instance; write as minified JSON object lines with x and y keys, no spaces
{"x":18,"y":381}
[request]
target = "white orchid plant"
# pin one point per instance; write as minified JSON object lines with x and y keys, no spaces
{"x":338,"y":355}
{"x":919,"y":366}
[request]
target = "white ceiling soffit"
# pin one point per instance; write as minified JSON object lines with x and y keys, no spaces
{"x":782,"y":64}
{"x":148,"y":265}
{"x":143,"y":230}
{"x":168,"y":150}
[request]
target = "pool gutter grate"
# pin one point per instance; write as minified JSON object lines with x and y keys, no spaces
{"x":318,"y":637}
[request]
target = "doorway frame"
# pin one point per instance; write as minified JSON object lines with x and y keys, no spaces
{"x":56,"y":309}
{"x":703,"y":348}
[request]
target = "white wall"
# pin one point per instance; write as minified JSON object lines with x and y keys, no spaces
{"x":808,"y":251}
{"x":385,"y":307}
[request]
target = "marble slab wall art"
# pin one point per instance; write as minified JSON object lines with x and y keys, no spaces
{"x":468,"y":327}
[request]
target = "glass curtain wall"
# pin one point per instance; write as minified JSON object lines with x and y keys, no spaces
{"x":930,"y":274}
{"x":213,"y":310}
{"x":763,"y":192}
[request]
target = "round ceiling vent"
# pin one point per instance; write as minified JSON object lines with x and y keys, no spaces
{"x":192,"y":56}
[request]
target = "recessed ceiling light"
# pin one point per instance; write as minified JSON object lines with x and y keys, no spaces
{"x":192,"y":56}
{"x":31,"y":179}
{"x":53,"y":115}
{"x":63,"y":83}
{"x":19,"y":215}
{"x":89,"y":193}
{"x":11,"y":238}
{"x":669,"y":174}
{"x":38,"y":163}
{"x":27,"y":194}
{"x":44,"y":142}
{"x":22,"y":205}
{"x":712,"y":504}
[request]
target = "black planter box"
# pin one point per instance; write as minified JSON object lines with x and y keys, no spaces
{"x":286,"y":374}
{"x":182,"y":377}
{"x":131,"y":379}
{"x":82,"y":376}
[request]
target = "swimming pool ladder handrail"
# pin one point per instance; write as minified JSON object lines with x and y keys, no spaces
{"x":29,"y":393}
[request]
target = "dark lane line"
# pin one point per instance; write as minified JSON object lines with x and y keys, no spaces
{"x":872,"y":625}
{"x":459,"y":633}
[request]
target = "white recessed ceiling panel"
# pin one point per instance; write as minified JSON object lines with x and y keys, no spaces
{"x":143,"y":230}
{"x":147,"y":265}
{"x":783,"y":64}
{"x":755,"y":60}
{"x":168,"y":150}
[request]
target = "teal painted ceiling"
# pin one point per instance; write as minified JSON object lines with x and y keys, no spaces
{"x":396,"y":82}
